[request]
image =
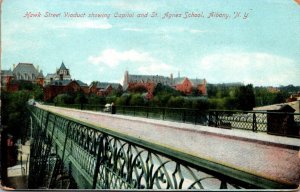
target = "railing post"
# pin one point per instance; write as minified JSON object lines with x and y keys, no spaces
{"x":99,"y":160}
{"x":254,"y":123}
{"x":164,"y":112}
{"x":147,"y":112}
{"x":210,"y":122}
{"x":217,"y":118}
{"x":195,"y":116}
{"x":65,"y":144}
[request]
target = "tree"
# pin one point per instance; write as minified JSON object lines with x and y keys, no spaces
{"x":196,"y":92}
{"x":63,"y":99}
{"x":80,"y":98}
{"x":200,"y":104}
{"x":161,"y":89}
{"x":14,"y":113}
{"x":175,"y":102}
{"x":137,"y":100}
{"x":124,"y":99}
{"x":38,"y":92}
{"x":211,"y":90}
{"x":95,"y":99}
{"x":280,"y":97}
{"x":245,"y":97}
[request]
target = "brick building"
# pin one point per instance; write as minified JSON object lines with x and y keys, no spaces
{"x":149,"y":82}
{"x":7,"y":81}
{"x":104,"y":88}
{"x":64,"y":86}
{"x":21,"y":72}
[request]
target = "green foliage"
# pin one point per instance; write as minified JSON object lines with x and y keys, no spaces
{"x":80,"y":98}
{"x":290,"y":89}
{"x":280,"y":97}
{"x":124,"y":99}
{"x":38,"y":92}
{"x":155,"y":102}
{"x":25,"y":85}
{"x":14,"y":112}
{"x":211,"y":90}
{"x":63,"y":99}
{"x":110,"y":99}
{"x":176,"y":102}
{"x":95,"y":100}
{"x":230,"y":103}
{"x":188,"y":103}
{"x":265,"y":97}
{"x":137,"y":100}
{"x":216,"y":103}
{"x":200,"y":103}
{"x":196,"y":92}
{"x":165,"y":90}
{"x":163,"y":99}
{"x":245,"y":97}
{"x":116,"y":93}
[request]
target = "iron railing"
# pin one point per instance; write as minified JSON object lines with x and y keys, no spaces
{"x":64,"y":149}
{"x":278,"y":123}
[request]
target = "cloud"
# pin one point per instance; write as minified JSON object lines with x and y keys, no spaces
{"x":197,"y":31}
{"x":133,"y":29}
{"x":256,"y":68}
{"x":112,"y":58}
{"x":142,"y":61}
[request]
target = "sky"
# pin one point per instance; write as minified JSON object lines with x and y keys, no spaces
{"x":247,"y":41}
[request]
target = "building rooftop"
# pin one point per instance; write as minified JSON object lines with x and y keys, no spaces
{"x":6,"y":73}
{"x":105,"y":85}
{"x":25,"y":68}
{"x":62,"y":66}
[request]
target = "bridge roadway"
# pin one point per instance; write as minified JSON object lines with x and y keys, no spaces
{"x":272,"y":157}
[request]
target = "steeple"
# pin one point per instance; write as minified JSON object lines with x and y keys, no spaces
{"x":62,"y":66}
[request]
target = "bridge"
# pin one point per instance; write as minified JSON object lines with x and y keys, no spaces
{"x":83,"y":149}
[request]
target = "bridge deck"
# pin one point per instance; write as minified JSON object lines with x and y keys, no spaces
{"x":272,"y":157}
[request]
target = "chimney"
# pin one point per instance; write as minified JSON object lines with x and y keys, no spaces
{"x":125,"y":81}
{"x":14,"y":66}
{"x":171,"y":76}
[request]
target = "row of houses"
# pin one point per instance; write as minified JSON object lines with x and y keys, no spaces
{"x":61,"y":82}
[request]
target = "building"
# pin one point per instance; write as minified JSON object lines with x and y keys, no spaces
{"x":62,"y":73}
{"x":21,"y":72}
{"x":104,"y":88}
{"x":7,"y":78}
{"x":57,"y":87}
{"x":184,"y":84}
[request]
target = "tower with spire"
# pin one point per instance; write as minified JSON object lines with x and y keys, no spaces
{"x":62,"y":73}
